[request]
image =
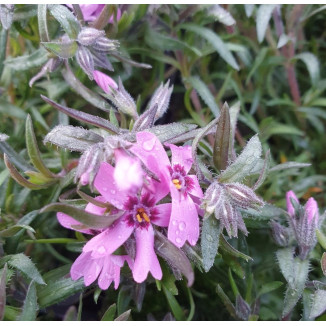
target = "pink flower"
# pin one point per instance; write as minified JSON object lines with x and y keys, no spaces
{"x":185,"y":190}
{"x":311,"y":209}
{"x":290,"y":194}
{"x":141,"y":212}
{"x":92,"y":11}
{"x":104,"y":81}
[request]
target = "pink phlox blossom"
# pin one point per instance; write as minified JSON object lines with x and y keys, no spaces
{"x":185,"y":189}
{"x":291,"y":195}
{"x":141,"y":211}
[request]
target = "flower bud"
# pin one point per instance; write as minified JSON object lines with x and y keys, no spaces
{"x":104,"y":81}
{"x":291,"y":195}
{"x":103,"y":44}
{"x":85,"y":60}
{"x":212,"y":198}
{"x":280,"y":234}
{"x":89,"y":35}
{"x":243,"y":196}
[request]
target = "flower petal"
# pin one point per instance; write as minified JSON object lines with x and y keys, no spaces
{"x":146,"y":259}
{"x":110,"y":240}
{"x":311,"y":209}
{"x":105,"y":184}
{"x":78,"y":267}
{"x":128,"y":173}
{"x":68,"y":222}
{"x":104,"y":81}
{"x":110,"y":272}
{"x":163,"y":214}
{"x":184,"y":222}
{"x":290,"y":194}
{"x":195,"y":189}
{"x":92,"y":272}
{"x":181,"y":155}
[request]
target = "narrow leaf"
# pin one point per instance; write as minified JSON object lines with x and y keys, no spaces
{"x":264,"y":171}
{"x":82,"y":116}
{"x":312,"y":63}
{"x":72,"y":138}
{"x":174,"y":256}
{"x":3,"y":282}
{"x":318,"y":305}
{"x":226,"y":247}
{"x":124,"y":316}
{"x":209,"y":241}
{"x":226,"y":301}
{"x":30,"y":307}
{"x":174,"y":305}
{"x":244,"y":163}
{"x":205,"y":94}
{"x":264,"y":14}
{"x":289,"y":165}
{"x":14,"y":229}
{"x":33,"y":150}
{"x":64,"y":50}
{"x":20,"y":179}
{"x":42,"y":23}
{"x":66,"y":19}
{"x":91,"y":220}
{"x":215,"y":41}
{"x":222,"y":139}
{"x":24,"y":265}
{"x":323,"y":263}
{"x":110,"y":313}
{"x":269,"y":287}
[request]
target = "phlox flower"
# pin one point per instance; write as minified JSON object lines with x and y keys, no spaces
{"x":185,"y":190}
{"x":104,"y":81}
{"x":107,"y":267}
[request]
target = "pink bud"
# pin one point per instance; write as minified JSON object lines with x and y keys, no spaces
{"x":311,"y":209}
{"x":104,"y":81}
{"x":290,"y":208}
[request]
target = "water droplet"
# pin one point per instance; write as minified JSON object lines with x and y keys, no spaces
{"x":178,"y":240}
{"x":182,"y":226}
{"x":113,"y":192}
{"x":193,"y":242}
{"x":105,"y":189}
{"x":209,"y":237}
{"x":101,"y":250}
{"x":149,"y":144}
{"x":174,"y":223}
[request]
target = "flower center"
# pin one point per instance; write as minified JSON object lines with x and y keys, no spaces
{"x":141,"y":215}
{"x":176,"y":183}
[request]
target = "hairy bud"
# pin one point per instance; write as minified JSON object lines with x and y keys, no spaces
{"x":103,"y":44}
{"x":89,"y":35}
{"x":161,"y":98}
{"x":280,"y":234}
{"x":85,"y":60}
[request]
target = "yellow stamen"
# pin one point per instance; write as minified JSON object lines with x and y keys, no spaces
{"x":145,"y":217}
{"x":178,"y":186}
{"x":176,"y":181}
{"x":139,"y":219}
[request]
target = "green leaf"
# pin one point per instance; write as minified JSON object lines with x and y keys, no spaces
{"x":215,"y":41}
{"x":30,"y":307}
{"x":209,"y":241}
{"x":168,"y":280}
{"x":109,"y":313}
{"x":66,"y":19}
{"x":312,"y":63}
{"x":24,"y":265}
{"x":318,"y":305}
{"x":123,"y":300}
{"x":3,"y":42}
{"x":264,"y":14}
{"x":244,"y":163}
{"x":59,"y":287}
{"x":3,"y":281}
{"x":33,"y":150}
{"x":42,"y":22}
{"x":82,"y":116}
{"x":20,"y":179}
{"x":64,"y":50}
{"x":285,"y":260}
{"x":27,"y":62}
{"x":205,"y":94}
{"x":269,"y":287}
{"x":227,"y":302}
{"x":14,"y":229}
{"x":174,"y":305}
{"x":87,"y":219}
{"x":288,"y":165}
{"x":264,"y":171}
{"x":222,"y":139}
{"x":227,"y":248}
{"x":124,"y":316}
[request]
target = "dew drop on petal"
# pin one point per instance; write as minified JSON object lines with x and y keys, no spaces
{"x":149,"y":144}
{"x":101,"y":250}
{"x":105,"y":189}
{"x":178,"y":240}
{"x":112,"y":191}
{"x":174,"y":223}
{"x":182,"y":226}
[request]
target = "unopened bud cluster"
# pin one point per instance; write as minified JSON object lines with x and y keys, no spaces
{"x":303,"y":221}
{"x":226,"y":202}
